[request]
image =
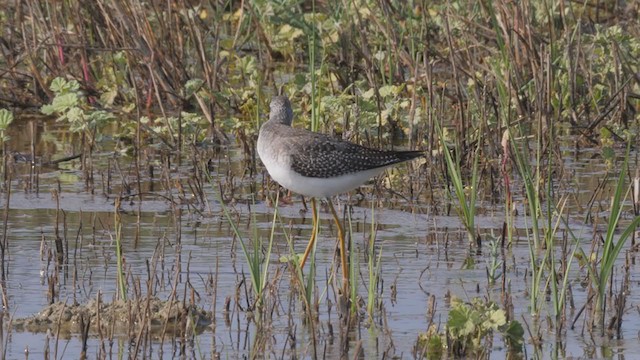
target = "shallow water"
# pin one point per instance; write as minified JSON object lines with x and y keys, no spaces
{"x":424,"y":255}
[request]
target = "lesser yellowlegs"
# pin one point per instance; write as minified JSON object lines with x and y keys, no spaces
{"x":317,"y":165}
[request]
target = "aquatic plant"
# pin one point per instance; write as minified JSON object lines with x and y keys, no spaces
{"x":374,"y":72}
{"x":466,"y":195}
{"x":257,"y":260}
{"x":548,"y":275}
{"x":6,"y":118}
{"x":120,"y":270}
{"x":470,"y":328}
{"x":71,"y":106}
{"x":494,"y":262}
{"x":431,"y":344}
{"x":374,"y":268}
{"x":613,"y":243}
{"x":531,"y":185}
{"x":307,"y":282}
{"x":470,"y":325}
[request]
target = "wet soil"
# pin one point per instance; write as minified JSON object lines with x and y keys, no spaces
{"x":161,"y":317}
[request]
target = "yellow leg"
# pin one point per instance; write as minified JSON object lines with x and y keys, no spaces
{"x":314,"y":232}
{"x":343,"y":250}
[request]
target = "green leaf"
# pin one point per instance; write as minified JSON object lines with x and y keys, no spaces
{"x":289,"y":33}
{"x":62,"y":86}
{"x":608,"y":153}
{"x":6,"y":117}
{"x":368,"y":94}
{"x":100,"y":118}
{"x":300,"y":79}
{"x":248,"y":64}
{"x":387,"y":90}
{"x":514,"y":335}
{"x":192,"y":86}
{"x":496,"y":319}
{"x":461,"y":321}
{"x":58,"y":85}
{"x":47,"y":109}
{"x":120,"y":58}
{"x":61,"y":103}
{"x":74,"y":115}
{"x":108,"y":97}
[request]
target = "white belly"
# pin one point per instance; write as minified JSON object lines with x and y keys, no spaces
{"x":319,"y":187}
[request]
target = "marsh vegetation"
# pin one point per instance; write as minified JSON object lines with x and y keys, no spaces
{"x":131,"y":184}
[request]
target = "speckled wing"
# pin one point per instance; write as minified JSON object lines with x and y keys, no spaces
{"x":324,"y":157}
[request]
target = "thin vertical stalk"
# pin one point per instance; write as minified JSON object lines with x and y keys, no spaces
{"x":312,"y":68}
{"x":373,"y":267}
{"x":531,"y":193}
{"x":120,"y":271}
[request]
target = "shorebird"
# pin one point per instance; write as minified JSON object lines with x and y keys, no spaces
{"x":319,"y":166}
